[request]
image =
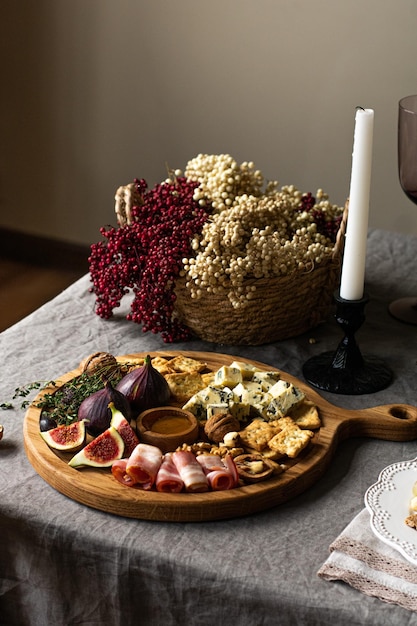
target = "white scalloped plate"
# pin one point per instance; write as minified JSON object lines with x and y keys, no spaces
{"x":387,"y":500}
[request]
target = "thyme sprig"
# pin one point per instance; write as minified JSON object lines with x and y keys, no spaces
{"x":62,"y":405}
{"x":63,"y":402}
{"x":24,"y":391}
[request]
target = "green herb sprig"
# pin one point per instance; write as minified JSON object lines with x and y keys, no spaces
{"x":63,"y":402}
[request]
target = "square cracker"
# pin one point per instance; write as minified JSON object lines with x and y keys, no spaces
{"x":182,"y":363}
{"x":162,"y":364}
{"x":291,"y":441}
{"x":306,"y":415}
{"x":257,"y":434}
{"x":183,"y":385}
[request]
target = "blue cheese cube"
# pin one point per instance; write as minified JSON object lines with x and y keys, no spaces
{"x":240,"y":410}
{"x":284,"y":397}
{"x":266,"y":379}
{"x":196,"y":406}
{"x":210,"y":395}
{"x":216,"y":395}
{"x":227,"y":376}
{"x":215,"y":409}
{"x":262,"y":409}
{"x":247,"y":369}
{"x":249,"y":393}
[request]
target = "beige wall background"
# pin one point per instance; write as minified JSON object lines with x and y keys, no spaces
{"x":98,"y":92}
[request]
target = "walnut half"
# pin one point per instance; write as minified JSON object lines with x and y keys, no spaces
{"x":219,"y":424}
{"x":99,"y":362}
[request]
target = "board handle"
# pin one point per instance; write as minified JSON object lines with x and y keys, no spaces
{"x":392,"y":422}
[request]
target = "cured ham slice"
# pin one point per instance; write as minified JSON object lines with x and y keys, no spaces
{"x":231,"y":466}
{"x":190,"y":470}
{"x":119,"y":472}
{"x":143,"y":464}
{"x":168,"y":479}
{"x":221,"y":474}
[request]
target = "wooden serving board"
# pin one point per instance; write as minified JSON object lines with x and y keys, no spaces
{"x":98,"y":489}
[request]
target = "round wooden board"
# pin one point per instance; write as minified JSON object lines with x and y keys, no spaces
{"x":98,"y":489}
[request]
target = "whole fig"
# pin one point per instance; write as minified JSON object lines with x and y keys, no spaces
{"x":95,"y":410}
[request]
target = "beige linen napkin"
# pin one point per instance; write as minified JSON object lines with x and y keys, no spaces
{"x":359,"y":558}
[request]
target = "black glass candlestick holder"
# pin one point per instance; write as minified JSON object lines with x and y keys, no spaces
{"x":346,"y":371}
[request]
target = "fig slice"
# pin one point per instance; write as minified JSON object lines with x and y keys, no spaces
{"x":69,"y":438}
{"x":101,"y":452}
{"x":120,"y":423}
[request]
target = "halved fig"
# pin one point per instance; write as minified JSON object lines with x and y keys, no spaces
{"x":101,"y":452}
{"x":120,"y":423}
{"x":69,"y":438}
{"x":253,"y":468}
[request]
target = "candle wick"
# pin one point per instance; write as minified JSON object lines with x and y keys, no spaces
{"x":361,"y":108}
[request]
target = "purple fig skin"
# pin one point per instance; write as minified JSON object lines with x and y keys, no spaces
{"x":145,"y":387}
{"x":46,"y":423}
{"x":96,"y":412}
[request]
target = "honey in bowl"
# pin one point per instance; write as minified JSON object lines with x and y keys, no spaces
{"x":167,"y":427}
{"x":170,"y":424}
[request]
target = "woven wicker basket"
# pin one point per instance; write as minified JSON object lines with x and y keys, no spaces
{"x":280,"y":308}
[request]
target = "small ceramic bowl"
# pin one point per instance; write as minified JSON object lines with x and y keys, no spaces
{"x":167,"y":427}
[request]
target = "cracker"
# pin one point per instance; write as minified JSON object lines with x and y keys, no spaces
{"x":183,"y":385}
{"x":208,"y":378}
{"x":162,"y":364}
{"x":291,"y":441}
{"x":306,"y":415}
{"x":257,"y":434}
{"x":271,"y":455}
{"x":182,"y":363}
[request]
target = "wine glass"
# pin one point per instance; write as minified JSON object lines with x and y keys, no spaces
{"x":405,"y":309}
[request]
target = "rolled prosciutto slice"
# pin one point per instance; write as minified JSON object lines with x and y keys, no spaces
{"x":143,"y":464}
{"x":190,"y":470}
{"x":168,"y":479}
{"x":118,"y":470}
{"x":221,"y":474}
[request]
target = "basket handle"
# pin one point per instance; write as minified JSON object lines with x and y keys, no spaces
{"x":126,"y":197}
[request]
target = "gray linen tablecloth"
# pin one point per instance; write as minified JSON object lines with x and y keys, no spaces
{"x":62,"y":563}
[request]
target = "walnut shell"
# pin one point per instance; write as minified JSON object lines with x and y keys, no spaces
{"x":99,"y":361}
{"x":253,"y":468}
{"x":218,"y":425}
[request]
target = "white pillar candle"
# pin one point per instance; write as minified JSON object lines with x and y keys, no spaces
{"x":354,"y":257}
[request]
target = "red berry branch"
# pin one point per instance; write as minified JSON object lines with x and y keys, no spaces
{"x":145,"y":256}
